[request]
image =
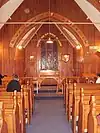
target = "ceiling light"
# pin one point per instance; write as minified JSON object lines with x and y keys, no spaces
{"x":31,"y":57}
{"x":19,"y":47}
{"x":49,"y":40}
{"x":78,"y":47}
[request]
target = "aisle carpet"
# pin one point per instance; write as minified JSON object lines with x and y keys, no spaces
{"x":49,"y":117}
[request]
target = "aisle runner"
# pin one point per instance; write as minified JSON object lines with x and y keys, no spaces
{"x":49,"y":117}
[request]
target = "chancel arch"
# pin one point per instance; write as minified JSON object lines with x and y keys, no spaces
{"x":54,"y":17}
{"x":70,"y":31}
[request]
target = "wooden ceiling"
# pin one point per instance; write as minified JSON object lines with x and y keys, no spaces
{"x":67,"y":10}
{"x":2,"y":2}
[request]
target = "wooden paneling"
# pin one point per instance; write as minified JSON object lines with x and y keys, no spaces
{"x":9,"y":63}
{"x":67,"y":8}
{"x":64,"y":68}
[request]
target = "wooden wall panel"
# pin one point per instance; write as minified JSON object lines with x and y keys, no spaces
{"x":32,"y":68}
{"x":31,"y":65}
{"x":68,"y":8}
{"x":7,"y":59}
{"x":92,"y":64}
{"x":10,"y":66}
{"x":19,"y":61}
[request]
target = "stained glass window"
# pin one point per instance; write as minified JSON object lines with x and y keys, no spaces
{"x":49,"y":56}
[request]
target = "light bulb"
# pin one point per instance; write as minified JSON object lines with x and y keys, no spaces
{"x":49,"y":40}
{"x":19,"y":47}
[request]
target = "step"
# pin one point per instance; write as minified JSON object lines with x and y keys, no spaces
{"x":51,"y":98}
{"x":48,"y":98}
{"x":48,"y":95}
{"x":47,"y":91}
{"x":48,"y":87}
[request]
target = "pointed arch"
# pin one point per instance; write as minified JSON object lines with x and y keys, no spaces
{"x":46,"y":34}
{"x":44,"y":17}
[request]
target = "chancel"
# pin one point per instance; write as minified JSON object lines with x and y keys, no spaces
{"x":53,"y":48}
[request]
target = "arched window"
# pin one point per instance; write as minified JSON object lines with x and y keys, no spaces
{"x":49,"y":56}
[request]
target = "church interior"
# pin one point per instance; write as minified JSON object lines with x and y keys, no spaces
{"x":54,"y":48}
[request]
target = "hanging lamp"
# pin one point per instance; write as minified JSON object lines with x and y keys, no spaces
{"x":49,"y":39}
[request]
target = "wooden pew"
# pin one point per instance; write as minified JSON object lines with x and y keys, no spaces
{"x":30,"y":86}
{"x":70,"y":94}
{"x":64,"y":90}
{"x":93,"y":126}
{"x":84,"y":109}
{"x":11,"y":115}
{"x":88,"y":119}
{"x":83,"y":112}
{"x":75,"y":105}
{"x":66,"y":82}
{"x":21,"y":110}
{"x":28,"y":101}
{"x":3,"y":124}
{"x":7,"y":98}
{"x":29,"y":105}
{"x":69,"y":81}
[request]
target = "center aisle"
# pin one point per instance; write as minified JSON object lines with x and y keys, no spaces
{"x":49,"y":117}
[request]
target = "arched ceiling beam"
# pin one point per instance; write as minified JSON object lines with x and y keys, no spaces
{"x":73,"y":29}
{"x":49,"y":34}
{"x":69,"y":36}
{"x":23,"y":40}
{"x":27,"y":38}
{"x":66,"y":35}
{"x":72,"y":37}
{"x":8,"y":9}
{"x":20,"y":34}
{"x":44,"y":17}
{"x":92,"y":13}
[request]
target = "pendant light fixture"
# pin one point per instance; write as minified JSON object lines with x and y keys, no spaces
{"x":49,"y":39}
